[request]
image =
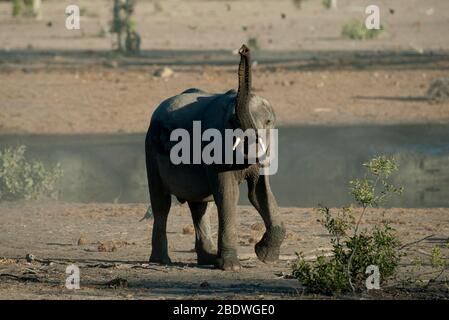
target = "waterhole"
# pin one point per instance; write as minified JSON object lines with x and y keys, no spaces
{"x":316,"y":164}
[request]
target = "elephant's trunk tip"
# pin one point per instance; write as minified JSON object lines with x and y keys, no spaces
{"x":244,"y":92}
{"x":244,"y":50}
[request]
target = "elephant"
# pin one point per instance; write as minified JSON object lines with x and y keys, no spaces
{"x":200,"y":184}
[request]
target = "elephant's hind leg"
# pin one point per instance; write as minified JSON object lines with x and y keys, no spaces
{"x":204,"y":247}
{"x":160,"y":204}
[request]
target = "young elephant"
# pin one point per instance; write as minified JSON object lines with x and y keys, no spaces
{"x":200,"y":183}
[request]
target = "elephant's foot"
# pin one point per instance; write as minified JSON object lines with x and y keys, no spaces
{"x":267,"y":249}
{"x":228,"y":263}
{"x":206,"y":258}
{"x":160,"y":258}
{"x":205,"y":252}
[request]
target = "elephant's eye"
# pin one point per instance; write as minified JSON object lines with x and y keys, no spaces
{"x":268,"y":122}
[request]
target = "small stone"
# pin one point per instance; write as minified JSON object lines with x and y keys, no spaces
{"x":290,"y":235}
{"x":111,"y":64}
{"x":255,"y":238}
{"x":108,"y":246}
{"x":204,"y":284}
{"x":188,"y":229}
{"x":82,"y":241}
{"x":439,"y":90}
{"x":165,"y":72}
{"x":30,"y":257}
{"x":117,"y":283}
{"x":259,"y":226}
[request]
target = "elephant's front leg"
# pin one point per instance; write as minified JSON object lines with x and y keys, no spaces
{"x":226,"y":193}
{"x":261,"y":197}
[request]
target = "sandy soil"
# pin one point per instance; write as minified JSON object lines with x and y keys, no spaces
{"x":201,"y":24}
{"x":48,"y":86}
{"x":51,"y":232}
{"x":104,"y":100}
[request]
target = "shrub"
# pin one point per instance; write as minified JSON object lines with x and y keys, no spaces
{"x":357,"y":30}
{"x":436,"y":258}
{"x":298,"y":3}
{"x":354,"y":251}
{"x":26,"y":8}
{"x":253,"y":44}
{"x":22,"y":179}
{"x":17,"y":7}
{"x":439,"y":90}
{"x":128,"y":40}
{"x":327,"y":3}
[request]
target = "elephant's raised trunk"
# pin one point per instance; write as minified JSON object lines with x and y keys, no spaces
{"x":244,"y":92}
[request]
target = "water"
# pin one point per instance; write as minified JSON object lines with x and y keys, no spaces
{"x":315,"y":163}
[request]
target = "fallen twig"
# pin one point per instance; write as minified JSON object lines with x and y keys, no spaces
{"x":19,"y":278}
{"x":415,"y":242}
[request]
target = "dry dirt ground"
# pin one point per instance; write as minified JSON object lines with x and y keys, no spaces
{"x":55,"y":80}
{"x":114,"y":101}
{"x":221,"y":24}
{"x":51,"y":232}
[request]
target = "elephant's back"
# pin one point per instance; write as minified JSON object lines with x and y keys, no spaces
{"x":192,"y":105}
{"x":180,"y":111}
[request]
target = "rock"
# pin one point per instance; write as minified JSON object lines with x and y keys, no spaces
{"x":188,"y":229}
{"x":259,"y":226}
{"x":204,"y":284}
{"x":164,"y":73}
{"x":117,"y":283}
{"x":287,"y":83}
{"x":439,"y":90}
{"x":111,"y":64}
{"x":30,"y":257}
{"x":107,"y":246}
{"x":82,"y":241}
{"x":255,"y":238}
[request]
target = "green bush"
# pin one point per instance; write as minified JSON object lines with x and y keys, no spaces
{"x":327,"y":3}
{"x":22,"y":179}
{"x":354,"y":251}
{"x":23,"y":8}
{"x":357,"y":30}
{"x":128,"y":40}
{"x":298,"y":3}
{"x":253,"y":44}
{"x":17,"y":7}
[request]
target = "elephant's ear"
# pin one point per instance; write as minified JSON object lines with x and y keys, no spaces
{"x":244,"y":92}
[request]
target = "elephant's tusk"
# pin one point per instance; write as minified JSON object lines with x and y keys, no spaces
{"x":237,"y":142}
{"x":262,"y":145}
